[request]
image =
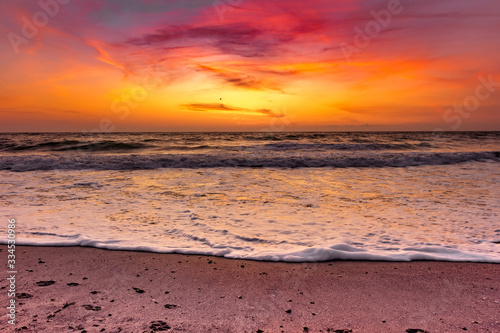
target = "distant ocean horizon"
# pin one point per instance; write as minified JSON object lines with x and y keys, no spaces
{"x":281,"y":196}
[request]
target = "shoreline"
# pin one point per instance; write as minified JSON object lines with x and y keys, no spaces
{"x":492,"y":262}
{"x":98,"y":290}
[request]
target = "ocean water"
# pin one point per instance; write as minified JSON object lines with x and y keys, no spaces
{"x":263,"y":196}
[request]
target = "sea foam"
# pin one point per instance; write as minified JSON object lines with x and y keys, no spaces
{"x":442,"y":212}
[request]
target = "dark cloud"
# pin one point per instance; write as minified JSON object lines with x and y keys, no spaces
{"x":211,"y":107}
{"x":277,"y":72}
{"x":239,"y":79}
{"x":242,"y":39}
{"x":224,"y":107}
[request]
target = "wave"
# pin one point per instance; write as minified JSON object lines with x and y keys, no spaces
{"x":161,"y":145}
{"x":343,"y":146}
{"x":99,"y":146}
{"x":10,"y":145}
{"x":299,"y":254}
{"x":74,"y":145}
{"x":272,"y":160}
{"x":70,"y":143}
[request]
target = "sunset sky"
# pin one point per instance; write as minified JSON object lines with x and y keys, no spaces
{"x":245,"y":65}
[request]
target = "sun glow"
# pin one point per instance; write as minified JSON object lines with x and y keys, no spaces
{"x":186,"y":68}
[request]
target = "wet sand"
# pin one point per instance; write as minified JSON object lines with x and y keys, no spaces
{"x":66,"y":289}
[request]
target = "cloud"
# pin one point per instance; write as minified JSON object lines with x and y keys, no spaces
{"x":211,"y":107}
{"x":230,"y":33}
{"x":245,"y":39}
{"x":39,"y":110}
{"x":207,"y":107}
{"x":238,"y":39}
{"x":271,"y":113}
{"x":239,"y":79}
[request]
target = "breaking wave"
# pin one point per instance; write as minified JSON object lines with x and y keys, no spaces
{"x":223,"y":160}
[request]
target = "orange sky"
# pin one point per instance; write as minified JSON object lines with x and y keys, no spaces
{"x":283,"y":65}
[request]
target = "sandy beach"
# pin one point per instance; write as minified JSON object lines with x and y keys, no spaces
{"x":66,"y":289}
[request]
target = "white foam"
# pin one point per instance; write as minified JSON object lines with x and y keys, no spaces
{"x":417,"y":213}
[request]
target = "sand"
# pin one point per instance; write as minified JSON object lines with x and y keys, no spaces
{"x":66,"y":289}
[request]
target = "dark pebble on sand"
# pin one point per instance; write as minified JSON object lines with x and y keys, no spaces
{"x":137,"y":290}
{"x":288,"y":311}
{"x":68,"y":304}
{"x":23,"y":295}
{"x":45,"y":283}
{"x":157,"y":326}
{"x":416,"y":330}
{"x":170,"y":306}
{"x":72,"y":284}
{"x":91,"y":307}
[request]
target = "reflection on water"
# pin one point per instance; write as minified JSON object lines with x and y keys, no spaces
{"x":387,"y":213}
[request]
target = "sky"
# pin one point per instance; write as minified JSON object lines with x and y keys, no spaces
{"x":249,"y":65}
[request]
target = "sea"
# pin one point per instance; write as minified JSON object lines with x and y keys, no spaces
{"x":273,"y":196}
